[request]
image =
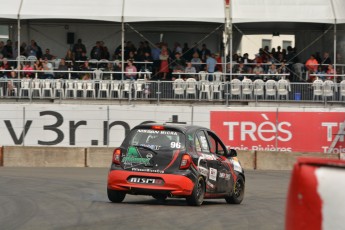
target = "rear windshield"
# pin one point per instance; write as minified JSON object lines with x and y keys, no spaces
{"x":156,"y":139}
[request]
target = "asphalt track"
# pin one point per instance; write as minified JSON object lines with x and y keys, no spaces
{"x":75,"y":198}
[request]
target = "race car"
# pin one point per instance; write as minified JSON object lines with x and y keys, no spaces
{"x":175,"y":160}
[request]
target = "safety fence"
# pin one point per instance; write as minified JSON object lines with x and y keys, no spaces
{"x":182,"y":90}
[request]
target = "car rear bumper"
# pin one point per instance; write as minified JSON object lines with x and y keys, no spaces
{"x":175,"y":185}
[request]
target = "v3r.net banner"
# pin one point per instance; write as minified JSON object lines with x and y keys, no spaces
{"x":282,"y":131}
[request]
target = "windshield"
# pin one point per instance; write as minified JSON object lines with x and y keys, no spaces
{"x":156,"y":139}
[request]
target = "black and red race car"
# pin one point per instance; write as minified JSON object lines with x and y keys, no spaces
{"x":175,"y":160}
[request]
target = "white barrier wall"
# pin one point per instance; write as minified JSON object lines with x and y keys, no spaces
{"x":260,"y":129}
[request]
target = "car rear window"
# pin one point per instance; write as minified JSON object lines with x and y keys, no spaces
{"x":157,"y":139}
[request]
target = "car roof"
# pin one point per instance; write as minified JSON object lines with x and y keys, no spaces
{"x":181,"y":127}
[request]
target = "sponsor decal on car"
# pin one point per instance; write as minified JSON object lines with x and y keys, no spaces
{"x":134,"y":158}
{"x":208,"y":183}
{"x":226,"y":176}
{"x":143,"y":180}
{"x":213,"y":174}
{"x":147,"y":170}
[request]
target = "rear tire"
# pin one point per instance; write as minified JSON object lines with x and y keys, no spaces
{"x":238,"y":192}
{"x":197,"y":196}
{"x":116,"y":196}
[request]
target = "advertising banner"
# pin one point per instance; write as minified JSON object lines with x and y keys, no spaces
{"x":280,"y":131}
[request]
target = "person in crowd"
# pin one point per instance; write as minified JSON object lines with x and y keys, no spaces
{"x":155,"y":53}
{"x":283,"y":69}
{"x":131,"y":70}
{"x":312,"y":64}
{"x":257,"y":70}
{"x":8,"y":50}
{"x":204,"y":52}
{"x":62,"y":67}
{"x":178,"y":64}
{"x":177,"y":48}
{"x":106,"y":70}
{"x":85,"y":68}
{"x":105,"y":51}
{"x":219,"y":66}
{"x":190,"y":69}
{"x":326,"y":60}
{"x":196,"y":62}
{"x":117,"y":67}
{"x":2,"y":45}
{"x":96,"y":51}
{"x":330,"y":72}
{"x":69,"y":55}
{"x":147,"y":65}
{"x":78,"y":49}
{"x":320,"y":73}
{"x":48,"y":55}
{"x":34,"y":50}
{"x":48,"y":69}
{"x":38,"y":67}
{"x":210,"y":65}
{"x":272,"y":70}
{"x":5,"y":65}
{"x":164,"y":62}
{"x":29,"y":70}
{"x":187,"y":53}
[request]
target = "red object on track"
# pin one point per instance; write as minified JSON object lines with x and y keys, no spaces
{"x":316,"y":198}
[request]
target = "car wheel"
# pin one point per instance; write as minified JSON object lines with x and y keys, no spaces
{"x":198,"y":193}
{"x":238,"y":193}
{"x":160,"y":197}
{"x":116,"y":196}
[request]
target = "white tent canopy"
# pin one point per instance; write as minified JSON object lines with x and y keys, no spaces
{"x":310,"y":11}
{"x":113,"y":10}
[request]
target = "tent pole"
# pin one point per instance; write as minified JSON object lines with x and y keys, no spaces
{"x":335,"y":40}
{"x":123,"y":41}
{"x":230,"y":38}
{"x":18,"y":38}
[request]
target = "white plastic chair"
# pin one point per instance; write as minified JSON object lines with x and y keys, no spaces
{"x":218,"y":76}
{"x":56,"y":62}
{"x":25,"y":86}
{"x":342,"y":90}
{"x":22,"y":59}
{"x":89,"y":87}
{"x":58,"y":88}
{"x":97,"y":74}
{"x":139,"y":88}
{"x":47,"y":87}
{"x":191,"y":87}
{"x":127,"y":88}
{"x":283,"y":89}
{"x":115,"y":89}
{"x":179,"y":88}
{"x":79,"y":88}
{"x":203,"y":76}
{"x":205,"y":88}
{"x":216,"y":89}
{"x":317,"y":89}
{"x":271,"y":89}
{"x":235,"y":88}
{"x":70,"y":88}
{"x":247,"y":88}
{"x":259,"y":88}
{"x":103,"y":88}
{"x":329,"y":89}
{"x":36,"y":87}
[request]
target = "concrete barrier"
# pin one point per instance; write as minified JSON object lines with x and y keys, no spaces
{"x":43,"y":156}
{"x":247,"y":159}
{"x":1,"y":157}
{"x":284,"y":160}
{"x":99,"y":157}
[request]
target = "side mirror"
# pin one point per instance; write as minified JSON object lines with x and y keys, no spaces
{"x":232,"y":153}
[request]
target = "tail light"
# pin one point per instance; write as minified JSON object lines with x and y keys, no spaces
{"x":117,"y":156}
{"x":185,"y":161}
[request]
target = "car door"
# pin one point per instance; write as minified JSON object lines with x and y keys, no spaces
{"x":203,"y":147}
{"x":224,"y":177}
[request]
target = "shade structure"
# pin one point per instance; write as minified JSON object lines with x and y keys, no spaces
{"x":306,"y":11}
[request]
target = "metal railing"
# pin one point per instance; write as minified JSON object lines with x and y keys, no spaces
{"x":205,"y":91}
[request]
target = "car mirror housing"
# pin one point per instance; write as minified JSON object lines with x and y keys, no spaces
{"x":232,"y":153}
